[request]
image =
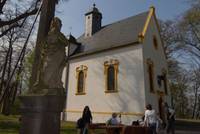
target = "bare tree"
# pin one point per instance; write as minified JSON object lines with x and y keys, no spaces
{"x":14,"y":26}
{"x":182,"y":38}
{"x":195,"y":89}
{"x":17,"y":8}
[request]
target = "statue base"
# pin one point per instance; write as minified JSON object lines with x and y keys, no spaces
{"x":41,"y":114}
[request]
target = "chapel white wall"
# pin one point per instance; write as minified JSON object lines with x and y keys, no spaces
{"x":129,"y":99}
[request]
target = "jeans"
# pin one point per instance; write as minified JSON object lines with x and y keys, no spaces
{"x":170,"y":126}
{"x":85,"y":130}
{"x":152,"y":127}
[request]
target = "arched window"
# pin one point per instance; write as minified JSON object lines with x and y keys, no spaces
{"x":111,"y":73}
{"x":155,"y":42}
{"x":165,"y":81}
{"x":150,"y":74}
{"x":80,"y":82}
{"x":81,"y":73}
{"x":111,"y":78}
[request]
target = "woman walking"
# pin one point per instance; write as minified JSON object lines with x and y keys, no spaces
{"x":87,"y":119}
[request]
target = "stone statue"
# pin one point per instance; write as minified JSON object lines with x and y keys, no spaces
{"x":53,"y":59}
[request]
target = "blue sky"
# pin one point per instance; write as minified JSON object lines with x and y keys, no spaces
{"x":72,"y":12}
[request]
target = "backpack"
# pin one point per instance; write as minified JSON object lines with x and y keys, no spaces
{"x":135,"y":123}
{"x":79,"y":123}
{"x":109,"y":122}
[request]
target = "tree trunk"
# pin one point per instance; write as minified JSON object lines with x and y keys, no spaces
{"x":198,"y":109}
{"x":16,"y":84}
{"x":195,"y":102}
{"x":4,"y":71}
{"x":10,"y":59}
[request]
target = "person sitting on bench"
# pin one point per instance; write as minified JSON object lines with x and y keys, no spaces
{"x":113,"y":120}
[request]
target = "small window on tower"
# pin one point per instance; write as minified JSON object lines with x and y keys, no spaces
{"x":88,"y":17}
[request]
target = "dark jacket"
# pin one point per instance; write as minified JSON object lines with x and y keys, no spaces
{"x":87,"y":117}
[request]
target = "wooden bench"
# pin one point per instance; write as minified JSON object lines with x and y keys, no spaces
{"x":136,"y":130}
{"x":118,"y":129}
{"x":96,"y":126}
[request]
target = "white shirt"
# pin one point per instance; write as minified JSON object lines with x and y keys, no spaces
{"x":171,"y":111}
{"x":150,"y":116}
{"x":114,"y":121}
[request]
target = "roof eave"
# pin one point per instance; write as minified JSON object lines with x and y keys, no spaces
{"x":159,"y":32}
{"x":142,"y":34}
{"x":101,"y":50}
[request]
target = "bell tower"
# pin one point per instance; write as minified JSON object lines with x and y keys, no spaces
{"x":92,"y":21}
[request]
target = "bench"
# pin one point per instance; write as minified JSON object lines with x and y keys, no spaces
{"x":119,"y":129}
{"x":136,"y":130}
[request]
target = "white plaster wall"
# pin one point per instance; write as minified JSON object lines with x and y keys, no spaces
{"x":159,"y":61}
{"x":129,"y":99}
{"x":88,"y":25}
{"x":64,"y":77}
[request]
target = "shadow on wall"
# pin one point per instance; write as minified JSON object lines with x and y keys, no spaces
{"x":129,"y":84}
{"x":130,"y":81}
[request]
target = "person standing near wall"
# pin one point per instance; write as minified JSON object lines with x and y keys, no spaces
{"x":150,"y":118}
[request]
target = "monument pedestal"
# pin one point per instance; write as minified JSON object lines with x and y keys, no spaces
{"x":41,"y":114}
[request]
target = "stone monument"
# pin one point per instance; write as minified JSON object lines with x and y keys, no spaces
{"x":52,"y":62}
{"x":42,"y":105}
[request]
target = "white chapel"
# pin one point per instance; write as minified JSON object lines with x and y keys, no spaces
{"x":119,"y":67}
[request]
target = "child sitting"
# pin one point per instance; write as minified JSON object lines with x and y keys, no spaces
{"x":113,"y":120}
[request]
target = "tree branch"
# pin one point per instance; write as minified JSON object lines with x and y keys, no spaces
{"x":191,"y":44}
{"x":12,"y":27}
{"x":18,"y":18}
{"x":2,"y":3}
{"x":194,"y":29}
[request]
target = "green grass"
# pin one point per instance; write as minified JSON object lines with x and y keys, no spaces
{"x":67,"y":128}
{"x":10,"y":125}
